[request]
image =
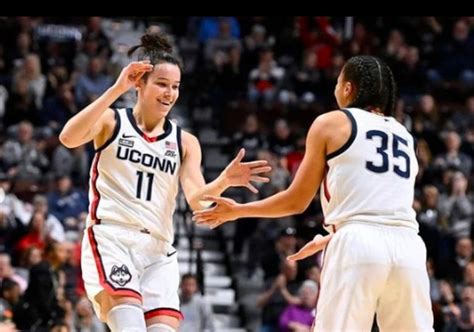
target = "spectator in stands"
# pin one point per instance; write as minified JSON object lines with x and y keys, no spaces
{"x":452,"y":268}
{"x":455,"y":207}
{"x":36,"y":234}
{"x":7,"y":271}
{"x":462,"y":315}
{"x":10,"y":294}
{"x":22,"y":156}
{"x":280,"y":291}
{"x":85,"y":319}
{"x":59,"y":107}
{"x":31,"y":256}
{"x":53,"y":227}
{"x":272,"y":258}
{"x":223,"y":41}
{"x":35,"y":80}
{"x":426,"y":122}
{"x":45,"y":292}
{"x":195,"y":308}
{"x":11,"y":204}
{"x":281,"y":141}
{"x":66,"y":201}
{"x":453,"y":157}
{"x":429,"y":218}
{"x":10,"y":231}
{"x":71,"y":162}
{"x":314,"y":273}
{"x":300,"y":317}
{"x":265,"y":80}
{"x":93,"y":83}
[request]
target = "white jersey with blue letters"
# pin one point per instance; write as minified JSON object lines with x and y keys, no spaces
{"x":134,"y":177}
{"x":371,"y":178}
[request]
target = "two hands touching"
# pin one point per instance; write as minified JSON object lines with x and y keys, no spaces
{"x":226,"y":209}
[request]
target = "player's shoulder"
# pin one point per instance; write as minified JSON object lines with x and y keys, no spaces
{"x":189,"y":142}
{"x":332,"y":116}
{"x":188,"y":137}
{"x":330,"y":120}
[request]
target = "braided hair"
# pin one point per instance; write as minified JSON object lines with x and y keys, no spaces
{"x":375,"y":85}
{"x":157,"y":48}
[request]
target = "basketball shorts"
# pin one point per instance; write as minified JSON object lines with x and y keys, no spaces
{"x":127,"y":262}
{"x":372,"y":269}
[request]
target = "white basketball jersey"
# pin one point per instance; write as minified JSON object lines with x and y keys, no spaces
{"x":371,"y":178}
{"x":134,"y":177}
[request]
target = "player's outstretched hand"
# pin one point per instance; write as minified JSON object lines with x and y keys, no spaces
{"x":312,"y":247}
{"x":239,"y":174}
{"x":225,"y":209}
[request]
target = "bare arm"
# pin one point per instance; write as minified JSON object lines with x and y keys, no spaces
{"x":235,"y":174}
{"x":192,"y":181}
{"x":92,"y":121}
{"x":327,"y":134}
{"x":295,"y":199}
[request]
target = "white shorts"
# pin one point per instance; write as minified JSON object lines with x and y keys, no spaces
{"x":125,"y":261}
{"x":370,"y":269}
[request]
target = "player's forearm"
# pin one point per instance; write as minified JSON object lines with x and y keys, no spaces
{"x":76,"y":130}
{"x":214,"y":188}
{"x":281,"y":204}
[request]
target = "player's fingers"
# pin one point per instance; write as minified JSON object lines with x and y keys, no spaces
{"x":256,"y":163}
{"x":252,"y":188}
{"x":216,"y":224}
{"x":214,"y":199}
{"x":263,"y":169}
{"x":259,"y":179}
{"x":204,"y":219}
{"x":239,"y":156}
{"x":203,"y":213}
{"x":298,"y":256}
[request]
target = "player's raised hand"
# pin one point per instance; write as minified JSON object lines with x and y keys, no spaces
{"x":239,"y":174}
{"x":224,"y":210}
{"x":130,"y":74}
{"x":312,"y":247}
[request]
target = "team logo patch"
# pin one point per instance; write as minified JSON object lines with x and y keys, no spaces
{"x":126,"y":142}
{"x":120,"y":275}
{"x":170,"y":153}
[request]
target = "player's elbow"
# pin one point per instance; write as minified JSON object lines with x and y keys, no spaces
{"x":67,"y":140}
{"x":299,"y":206}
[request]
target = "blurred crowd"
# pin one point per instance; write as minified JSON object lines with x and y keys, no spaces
{"x":263,"y":80}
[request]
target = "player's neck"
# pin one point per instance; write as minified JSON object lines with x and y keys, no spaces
{"x":149,"y":123}
{"x":376,"y":111}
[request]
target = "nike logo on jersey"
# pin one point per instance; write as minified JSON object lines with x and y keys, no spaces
{"x":128,"y":136}
{"x":171,"y":254}
{"x":146,"y":159}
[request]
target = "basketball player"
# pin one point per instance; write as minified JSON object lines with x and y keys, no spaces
{"x":365,"y":163}
{"x":129,"y":266}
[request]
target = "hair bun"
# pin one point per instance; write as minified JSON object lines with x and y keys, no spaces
{"x":155,"y":41}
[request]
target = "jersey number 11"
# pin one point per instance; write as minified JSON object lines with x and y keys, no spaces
{"x":149,"y":186}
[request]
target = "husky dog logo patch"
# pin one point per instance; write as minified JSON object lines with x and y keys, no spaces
{"x":120,"y":275}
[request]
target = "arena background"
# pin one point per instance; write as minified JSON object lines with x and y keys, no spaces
{"x":253,"y":82}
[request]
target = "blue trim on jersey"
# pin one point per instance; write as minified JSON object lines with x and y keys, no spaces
{"x":167,"y":127}
{"x":351,"y":138}
{"x":114,"y":135}
{"x":180,"y":145}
